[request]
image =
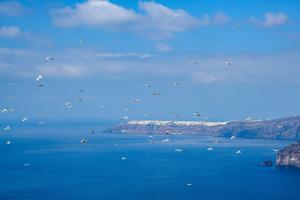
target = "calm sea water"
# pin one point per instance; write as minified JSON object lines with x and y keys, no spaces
{"x":63,"y":168}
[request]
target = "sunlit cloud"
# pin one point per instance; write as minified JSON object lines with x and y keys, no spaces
{"x":11,"y":8}
{"x":163,"y":47}
{"x":270,"y":19}
{"x":10,"y":31}
{"x":152,"y":19}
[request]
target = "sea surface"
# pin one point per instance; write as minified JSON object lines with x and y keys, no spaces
{"x":49,"y":162}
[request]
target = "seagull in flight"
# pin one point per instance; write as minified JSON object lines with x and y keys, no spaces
{"x":178,"y":150}
{"x":39,"y":78}
{"x":83,"y":141}
{"x":125,"y":118}
{"x":40,"y":85}
{"x":156,"y":93}
{"x":136,"y":101}
{"x":193,"y":62}
{"x":4,"y":110}
{"x":227,"y":62}
{"x":151,"y":141}
{"x":78,"y":98}
{"x":238,"y":152}
{"x":197,"y":114}
{"x":80,"y":90}
{"x":148,"y":85}
{"x":81,"y":42}
{"x":49,"y":58}
{"x":68,"y":105}
{"x":24,"y":119}
{"x":175,"y":83}
{"x":209,"y":149}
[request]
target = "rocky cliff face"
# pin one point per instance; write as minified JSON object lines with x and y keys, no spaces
{"x":284,"y":128}
{"x":289,"y":156}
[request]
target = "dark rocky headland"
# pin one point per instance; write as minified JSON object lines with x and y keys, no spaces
{"x":289,"y":156}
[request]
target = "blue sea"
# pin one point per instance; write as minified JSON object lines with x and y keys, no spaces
{"x":49,"y":162}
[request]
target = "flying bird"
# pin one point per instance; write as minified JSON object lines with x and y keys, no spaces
{"x":78,"y":99}
{"x":68,"y":105}
{"x":24,"y":119}
{"x":39,"y":78}
{"x":156,"y":94}
{"x":209,"y":149}
{"x":166,"y":140}
{"x":193,"y":62}
{"x":175,"y":83}
{"x":147,"y":85}
{"x":136,"y":101}
{"x":125,"y":118}
{"x":80,"y":90}
{"x":227,"y":62}
{"x":4,"y":110}
{"x":83,"y":141}
{"x":81,"y":42}
{"x":238,"y":152}
{"x":49,"y":58}
{"x":178,"y":150}
{"x":197,"y":114}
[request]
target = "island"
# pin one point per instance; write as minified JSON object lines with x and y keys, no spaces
{"x":289,"y":156}
{"x":283,"y":128}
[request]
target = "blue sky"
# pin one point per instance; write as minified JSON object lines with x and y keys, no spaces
{"x":130,"y":43}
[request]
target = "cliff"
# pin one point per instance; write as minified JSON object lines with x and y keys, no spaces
{"x":289,"y":156}
{"x":284,"y":128}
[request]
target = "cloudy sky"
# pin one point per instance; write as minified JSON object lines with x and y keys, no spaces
{"x":112,"y":48}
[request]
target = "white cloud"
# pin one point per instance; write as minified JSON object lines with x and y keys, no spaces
{"x":163,"y":47}
{"x":152,"y":19}
{"x":11,"y":8}
{"x":270,"y":19}
{"x":219,"y":18}
{"x":94,"y":13}
{"x":10,"y":31}
{"x":163,"y":18}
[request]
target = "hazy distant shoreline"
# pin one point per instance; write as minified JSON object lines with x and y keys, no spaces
{"x":283,"y":128}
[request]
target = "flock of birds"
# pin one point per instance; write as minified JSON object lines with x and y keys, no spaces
{"x":68,"y":105}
